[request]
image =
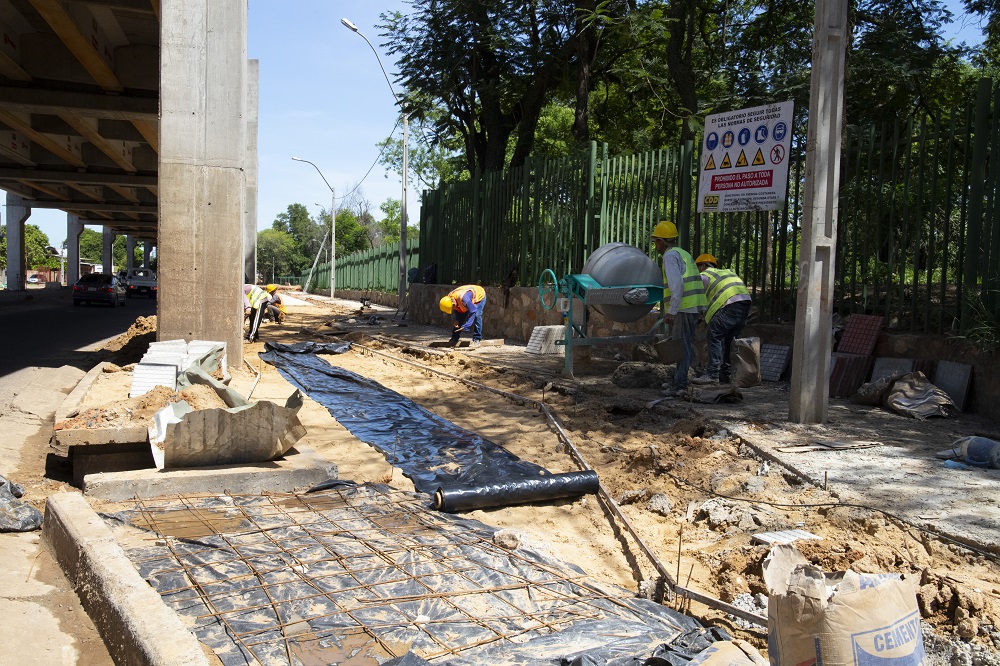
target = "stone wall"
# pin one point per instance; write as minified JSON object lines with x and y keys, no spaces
{"x":514,"y":316}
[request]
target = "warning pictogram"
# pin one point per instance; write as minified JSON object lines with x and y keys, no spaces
{"x":741,"y":161}
{"x":710,"y":165}
{"x":777,"y":154}
{"x":726,"y":164}
{"x":758,"y":159}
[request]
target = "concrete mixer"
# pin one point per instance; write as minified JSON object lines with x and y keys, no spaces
{"x":619,"y":281}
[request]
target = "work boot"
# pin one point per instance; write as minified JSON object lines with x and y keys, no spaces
{"x":705,"y":379}
{"x":474,"y":344}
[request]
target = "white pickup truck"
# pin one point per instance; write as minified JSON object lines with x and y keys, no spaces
{"x":141,"y":281}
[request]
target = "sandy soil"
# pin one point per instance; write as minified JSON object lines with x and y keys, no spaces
{"x":694,"y":494}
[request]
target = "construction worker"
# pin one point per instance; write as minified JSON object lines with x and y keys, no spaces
{"x":686,"y":292}
{"x":275,"y":309}
{"x":466,"y":303}
{"x":255,"y":302}
{"x":728,"y":309}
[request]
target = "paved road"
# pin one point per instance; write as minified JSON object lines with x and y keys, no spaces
{"x":48,"y":331}
{"x":48,"y":345}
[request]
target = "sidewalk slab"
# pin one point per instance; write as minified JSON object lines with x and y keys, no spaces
{"x":300,"y":468}
{"x":136,"y":626}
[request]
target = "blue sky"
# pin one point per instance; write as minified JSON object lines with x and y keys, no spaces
{"x":323,"y":98}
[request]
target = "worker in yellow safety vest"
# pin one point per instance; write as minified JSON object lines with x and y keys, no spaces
{"x":466,"y":303}
{"x":686,"y":292}
{"x":728,"y":309}
{"x":255,"y":302}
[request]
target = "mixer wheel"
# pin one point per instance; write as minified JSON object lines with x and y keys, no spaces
{"x":548,"y":289}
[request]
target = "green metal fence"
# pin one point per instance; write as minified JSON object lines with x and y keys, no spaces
{"x":376,"y":269}
{"x":918,"y":237}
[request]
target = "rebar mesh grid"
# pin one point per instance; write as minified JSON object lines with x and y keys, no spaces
{"x":365,"y":574}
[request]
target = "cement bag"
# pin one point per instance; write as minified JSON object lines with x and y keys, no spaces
{"x":840,"y":619}
{"x":875,"y":392}
{"x":914,"y":395}
{"x":746,"y":362}
{"x":729,"y":653}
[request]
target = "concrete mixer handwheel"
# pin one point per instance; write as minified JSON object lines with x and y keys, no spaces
{"x":548,"y":289}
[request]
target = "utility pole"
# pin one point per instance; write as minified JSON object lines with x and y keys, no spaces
{"x":814,"y":307}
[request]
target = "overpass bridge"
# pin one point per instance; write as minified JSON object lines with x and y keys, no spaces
{"x":139,"y":116}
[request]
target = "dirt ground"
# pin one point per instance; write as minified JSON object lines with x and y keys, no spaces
{"x":692,"y":491}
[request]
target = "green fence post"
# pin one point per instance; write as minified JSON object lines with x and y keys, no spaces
{"x":977,"y":184}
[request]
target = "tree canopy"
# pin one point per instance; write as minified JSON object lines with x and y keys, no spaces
{"x":493,"y":82}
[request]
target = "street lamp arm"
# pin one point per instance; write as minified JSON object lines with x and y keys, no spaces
{"x":328,"y":186}
{"x":353,"y":28}
{"x":331,"y":233}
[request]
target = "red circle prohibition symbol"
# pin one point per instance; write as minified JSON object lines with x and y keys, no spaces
{"x":777,"y":154}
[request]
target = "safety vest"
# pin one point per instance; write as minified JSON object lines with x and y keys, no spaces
{"x":256,"y":297}
{"x":723,"y":284}
{"x":694,"y":288}
{"x":478,"y":294}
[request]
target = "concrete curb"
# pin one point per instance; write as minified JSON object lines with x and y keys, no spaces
{"x":136,"y":625}
{"x":75,"y":397}
{"x":298,"y":469}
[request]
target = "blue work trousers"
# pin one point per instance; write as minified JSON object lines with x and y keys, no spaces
{"x":462,"y":323}
{"x":726,"y":325}
{"x":683,"y":328}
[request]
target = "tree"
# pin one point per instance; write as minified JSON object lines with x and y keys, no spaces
{"x":306,"y":234}
{"x":491,"y":67}
{"x":91,"y":246}
{"x":275,"y":253}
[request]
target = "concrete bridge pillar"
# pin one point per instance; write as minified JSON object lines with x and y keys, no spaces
{"x":74,"y":227}
{"x":130,"y":252}
{"x":250,"y":203}
{"x":18,"y":211}
{"x":203,"y":126}
{"x":107,"y":255}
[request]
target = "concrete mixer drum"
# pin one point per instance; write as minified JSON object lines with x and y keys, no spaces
{"x":622,"y":265}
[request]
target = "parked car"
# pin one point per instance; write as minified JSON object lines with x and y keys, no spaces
{"x":141,"y":281}
{"x":33,"y":279}
{"x":99,"y":288}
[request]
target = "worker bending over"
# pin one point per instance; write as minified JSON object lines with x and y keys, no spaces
{"x":728,"y":309}
{"x":466,"y":303}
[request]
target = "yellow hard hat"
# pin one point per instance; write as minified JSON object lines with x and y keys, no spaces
{"x":666,"y":230}
{"x":707,"y":259}
{"x":447,"y":304}
{"x":271,"y":288}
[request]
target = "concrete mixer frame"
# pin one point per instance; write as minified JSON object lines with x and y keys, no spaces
{"x":590,"y":292}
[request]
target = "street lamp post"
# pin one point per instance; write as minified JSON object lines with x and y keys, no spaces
{"x":406,"y":139}
{"x":333,"y":233}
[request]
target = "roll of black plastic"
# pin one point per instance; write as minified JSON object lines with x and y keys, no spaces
{"x":523,"y":490}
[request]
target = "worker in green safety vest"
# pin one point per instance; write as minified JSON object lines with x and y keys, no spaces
{"x":728,"y":309}
{"x":686,"y":292}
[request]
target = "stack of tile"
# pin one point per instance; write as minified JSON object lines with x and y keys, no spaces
{"x":853,"y":359}
{"x":164,"y":361}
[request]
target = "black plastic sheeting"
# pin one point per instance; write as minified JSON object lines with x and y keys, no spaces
{"x":463,"y":497}
{"x":433,"y":452}
{"x":310,"y":347}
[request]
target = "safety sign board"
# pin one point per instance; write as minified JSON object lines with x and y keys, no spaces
{"x":744,"y":165}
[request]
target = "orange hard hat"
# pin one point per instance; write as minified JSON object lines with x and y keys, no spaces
{"x":707,"y":259}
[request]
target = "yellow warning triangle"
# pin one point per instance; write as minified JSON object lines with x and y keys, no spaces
{"x":758,"y":159}
{"x":726,"y":164}
{"x":742,"y":161}
{"x":711,"y":163}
